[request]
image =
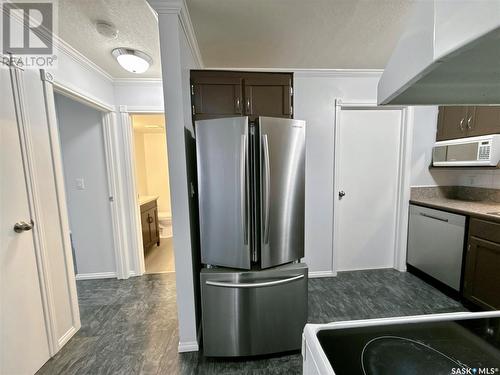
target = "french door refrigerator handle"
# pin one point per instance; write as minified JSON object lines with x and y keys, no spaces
{"x":243,"y":187}
{"x":223,"y":284}
{"x":267,"y":189}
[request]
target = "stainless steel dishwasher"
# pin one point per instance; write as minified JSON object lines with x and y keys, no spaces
{"x":436,"y":244}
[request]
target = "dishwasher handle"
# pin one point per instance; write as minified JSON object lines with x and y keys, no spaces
{"x":433,"y":217}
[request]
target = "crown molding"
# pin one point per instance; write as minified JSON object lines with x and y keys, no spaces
{"x":376,"y":73}
{"x":167,"y":6}
{"x":180,"y":8}
{"x":78,"y":57}
{"x":137,"y":81}
{"x":312,"y":72}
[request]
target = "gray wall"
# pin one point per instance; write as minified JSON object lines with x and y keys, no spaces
{"x":82,"y":145}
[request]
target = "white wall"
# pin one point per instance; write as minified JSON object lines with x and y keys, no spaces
{"x":82,"y":145}
{"x":139,"y":93}
{"x":177,"y":60}
{"x":77,"y":73}
{"x":155,"y":154}
{"x":315,"y":94}
{"x":424,"y":136}
{"x":151,"y":165}
{"x":141,"y":182}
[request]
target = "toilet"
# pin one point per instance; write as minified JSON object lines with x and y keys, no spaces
{"x":165,"y":222}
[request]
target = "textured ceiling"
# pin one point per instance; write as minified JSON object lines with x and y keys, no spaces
{"x":335,"y":34}
{"x":134,"y":20}
{"x":340,"y":34}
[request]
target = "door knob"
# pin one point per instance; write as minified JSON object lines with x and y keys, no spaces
{"x":22,"y":226}
{"x":341,"y":194}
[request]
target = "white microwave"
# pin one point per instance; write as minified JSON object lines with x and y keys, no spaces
{"x":483,"y":151}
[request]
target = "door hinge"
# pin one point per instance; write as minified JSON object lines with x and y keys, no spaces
{"x":291,"y":110}
{"x":193,"y":110}
{"x":468,"y":247}
{"x":291,"y":90}
{"x":192,"y":90}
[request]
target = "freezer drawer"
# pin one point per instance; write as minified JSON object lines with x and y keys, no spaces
{"x":436,"y":243}
{"x":253,"y":312}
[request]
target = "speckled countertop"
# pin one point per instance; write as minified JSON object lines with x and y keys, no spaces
{"x":477,"y":202}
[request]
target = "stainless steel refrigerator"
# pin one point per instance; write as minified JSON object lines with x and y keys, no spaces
{"x":251,"y":207}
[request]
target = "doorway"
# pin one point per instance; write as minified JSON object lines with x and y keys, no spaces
{"x":153,"y":191}
{"x":369,"y":184}
{"x":87,"y":188}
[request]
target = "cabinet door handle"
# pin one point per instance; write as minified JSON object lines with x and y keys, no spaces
{"x":238,"y":109}
{"x":469,"y":123}
{"x":248,"y":106}
{"x":461,"y":125}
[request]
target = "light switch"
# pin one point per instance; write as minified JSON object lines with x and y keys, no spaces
{"x":80,"y":183}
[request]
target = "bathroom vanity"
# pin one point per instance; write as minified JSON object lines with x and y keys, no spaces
{"x":149,"y":221}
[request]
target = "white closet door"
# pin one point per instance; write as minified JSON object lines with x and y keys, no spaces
{"x":24,"y":345}
{"x":369,"y":148}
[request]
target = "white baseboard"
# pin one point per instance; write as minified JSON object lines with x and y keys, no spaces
{"x":315,"y":274}
{"x":67,"y":336}
{"x":188,"y":346}
{"x":389,"y":267}
{"x":96,"y":275}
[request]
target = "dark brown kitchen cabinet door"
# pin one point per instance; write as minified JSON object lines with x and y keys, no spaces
{"x":482,"y":276}
{"x":452,"y":122}
{"x":214,"y":97}
{"x":268,"y":95}
{"x":483,"y":120}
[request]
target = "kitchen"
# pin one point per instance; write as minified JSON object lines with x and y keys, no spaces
{"x":374,"y":188}
{"x":453,"y":227}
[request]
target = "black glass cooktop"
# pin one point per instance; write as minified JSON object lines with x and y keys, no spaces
{"x":470,"y":346}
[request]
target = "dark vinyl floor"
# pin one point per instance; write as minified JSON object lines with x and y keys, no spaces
{"x":130,"y":326}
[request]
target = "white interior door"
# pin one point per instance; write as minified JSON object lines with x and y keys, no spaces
{"x":368,"y":143}
{"x":24,"y":343}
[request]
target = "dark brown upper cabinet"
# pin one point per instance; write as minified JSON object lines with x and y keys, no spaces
{"x":214,"y":97}
{"x":268,"y":95}
{"x":484,"y":120}
{"x":217,"y":94}
{"x":467,"y":121}
{"x":452,"y":122}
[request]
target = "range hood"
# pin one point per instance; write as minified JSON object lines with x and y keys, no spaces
{"x":448,"y":54}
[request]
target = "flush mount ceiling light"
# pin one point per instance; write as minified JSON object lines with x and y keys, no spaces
{"x":132,"y":60}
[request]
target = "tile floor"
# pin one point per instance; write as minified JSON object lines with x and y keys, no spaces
{"x":158,"y":259}
{"x":130,"y":326}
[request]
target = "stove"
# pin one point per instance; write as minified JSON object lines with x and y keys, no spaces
{"x":441,"y":344}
